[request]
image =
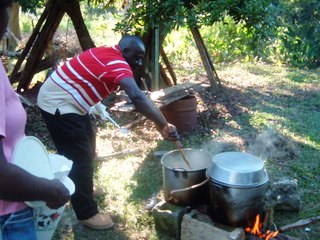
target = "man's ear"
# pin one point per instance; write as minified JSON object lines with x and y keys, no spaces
{"x":125,"y":51}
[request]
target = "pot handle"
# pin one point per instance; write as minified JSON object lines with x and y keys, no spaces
{"x":172,"y":192}
{"x":182,"y":170}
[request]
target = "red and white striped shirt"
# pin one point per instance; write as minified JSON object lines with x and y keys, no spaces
{"x":84,"y":80}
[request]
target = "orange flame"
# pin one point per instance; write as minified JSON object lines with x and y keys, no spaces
{"x":255,"y":230}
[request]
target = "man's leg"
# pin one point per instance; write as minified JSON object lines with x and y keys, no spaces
{"x":73,"y":137}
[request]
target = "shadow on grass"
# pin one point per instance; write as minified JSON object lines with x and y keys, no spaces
{"x":244,"y":113}
{"x":296,"y":112}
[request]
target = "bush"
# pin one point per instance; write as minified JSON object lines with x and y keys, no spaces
{"x":299,"y":33}
{"x":287,"y":34}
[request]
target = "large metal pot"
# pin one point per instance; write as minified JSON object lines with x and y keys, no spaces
{"x":238,"y":182}
{"x":183,"y":185}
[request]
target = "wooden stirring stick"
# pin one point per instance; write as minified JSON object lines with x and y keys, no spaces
{"x":179,"y":145}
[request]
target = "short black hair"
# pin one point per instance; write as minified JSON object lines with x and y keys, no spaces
{"x":127,"y":40}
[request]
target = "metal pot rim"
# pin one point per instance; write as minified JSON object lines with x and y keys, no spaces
{"x":237,"y":169}
{"x":195,"y":163}
{"x":258,"y":184}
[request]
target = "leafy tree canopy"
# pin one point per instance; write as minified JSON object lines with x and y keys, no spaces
{"x":172,"y":14}
{"x":33,"y":5}
{"x":299,"y":22}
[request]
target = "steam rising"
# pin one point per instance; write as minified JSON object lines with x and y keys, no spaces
{"x":268,"y":144}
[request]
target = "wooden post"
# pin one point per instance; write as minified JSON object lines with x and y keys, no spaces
{"x":211,"y":73}
{"x":155,"y":59}
{"x":14,"y":75}
{"x":168,"y":65}
{"x":43,"y":34}
{"x":72,"y":8}
{"x":53,"y":20}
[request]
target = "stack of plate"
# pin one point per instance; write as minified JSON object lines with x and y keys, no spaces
{"x":31,"y":155}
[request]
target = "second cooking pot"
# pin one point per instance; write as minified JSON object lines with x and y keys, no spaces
{"x":237,"y":188}
{"x":183,"y":185}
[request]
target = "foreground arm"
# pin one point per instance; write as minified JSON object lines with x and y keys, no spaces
{"x":146,"y":107}
{"x":18,"y":185}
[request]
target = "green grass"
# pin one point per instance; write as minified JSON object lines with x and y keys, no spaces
{"x":293,"y":110}
{"x":255,"y":98}
{"x":278,"y":102}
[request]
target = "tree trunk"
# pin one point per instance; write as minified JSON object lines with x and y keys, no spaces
{"x":15,"y":75}
{"x":150,"y":59}
{"x":206,"y":61}
{"x":14,"y":27}
{"x":72,"y":8}
{"x":45,"y":35}
{"x":168,"y":65}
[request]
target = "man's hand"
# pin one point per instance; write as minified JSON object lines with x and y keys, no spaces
{"x":169,"y":132}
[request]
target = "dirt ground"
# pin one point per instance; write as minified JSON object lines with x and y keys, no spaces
{"x":239,"y":93}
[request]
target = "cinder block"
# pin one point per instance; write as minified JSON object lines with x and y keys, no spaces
{"x":168,"y":217}
{"x":196,"y":225}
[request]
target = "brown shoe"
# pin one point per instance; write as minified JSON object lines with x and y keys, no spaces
{"x":99,"y":221}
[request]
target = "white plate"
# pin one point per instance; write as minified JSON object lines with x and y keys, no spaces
{"x":60,"y":165}
{"x":30,"y":154}
{"x":68,"y":183}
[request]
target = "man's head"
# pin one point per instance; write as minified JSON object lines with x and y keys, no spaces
{"x":4,"y":17}
{"x":133,"y":50}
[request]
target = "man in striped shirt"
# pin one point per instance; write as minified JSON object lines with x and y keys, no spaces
{"x":65,"y":99}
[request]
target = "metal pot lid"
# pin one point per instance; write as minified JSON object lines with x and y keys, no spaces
{"x":237,"y":169}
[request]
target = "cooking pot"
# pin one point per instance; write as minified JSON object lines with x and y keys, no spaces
{"x":184,"y":185}
{"x":237,"y":186}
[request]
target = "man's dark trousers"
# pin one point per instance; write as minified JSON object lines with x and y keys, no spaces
{"x":74,"y":138}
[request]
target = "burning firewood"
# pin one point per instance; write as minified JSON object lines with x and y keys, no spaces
{"x":258,"y":231}
{"x":268,"y":218}
{"x":279,"y":236}
{"x":300,"y":223}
